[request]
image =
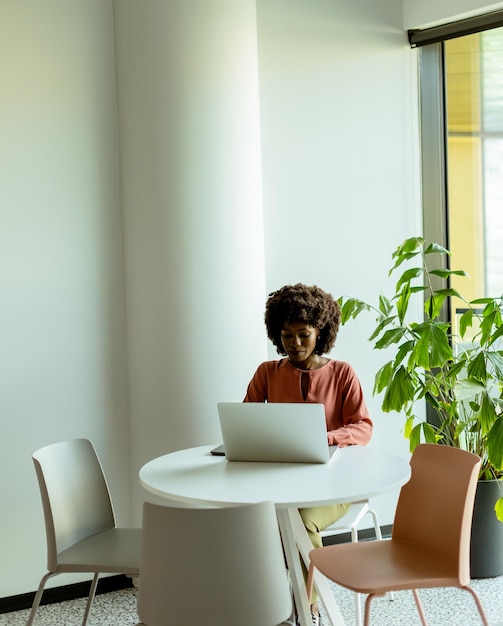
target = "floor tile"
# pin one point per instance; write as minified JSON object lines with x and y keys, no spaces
{"x":443,"y":607}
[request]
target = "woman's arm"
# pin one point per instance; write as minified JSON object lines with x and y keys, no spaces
{"x":348,"y":419}
{"x":356,"y":433}
{"x":257,"y":387}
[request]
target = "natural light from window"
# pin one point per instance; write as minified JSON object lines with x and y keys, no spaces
{"x":474,"y":103}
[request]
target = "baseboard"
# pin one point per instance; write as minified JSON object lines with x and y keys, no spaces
{"x":114,"y":583}
{"x":367,"y":534}
{"x":67,"y":592}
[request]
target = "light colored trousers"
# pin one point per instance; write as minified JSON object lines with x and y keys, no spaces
{"x":317,"y":518}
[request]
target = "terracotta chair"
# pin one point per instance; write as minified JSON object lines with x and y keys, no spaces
{"x":349,"y":522}
{"x":430,"y":543}
{"x":79,"y":519}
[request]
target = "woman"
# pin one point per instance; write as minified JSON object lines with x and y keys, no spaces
{"x":302,"y":322}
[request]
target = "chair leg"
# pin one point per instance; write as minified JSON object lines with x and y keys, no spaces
{"x":377,"y":528}
{"x":293,"y":614}
{"x":422,"y":616}
{"x":366,"y":619}
{"x":90,"y":598}
{"x":358,"y":609}
{"x":358,"y":606}
{"x":38,"y":597}
{"x":378,"y":534}
{"x":479,"y":604}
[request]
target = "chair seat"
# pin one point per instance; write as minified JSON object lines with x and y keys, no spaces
{"x":113,"y":550}
{"x":376,"y":567}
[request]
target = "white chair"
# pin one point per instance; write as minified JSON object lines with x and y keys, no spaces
{"x":217,"y":567}
{"x":79,"y":519}
{"x":349,"y":523}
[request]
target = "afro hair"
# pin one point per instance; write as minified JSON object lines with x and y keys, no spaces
{"x":300,"y":303}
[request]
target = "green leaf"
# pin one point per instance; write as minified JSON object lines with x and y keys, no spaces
{"x":409,"y":275}
{"x":429,"y":433}
{"x":422,"y":431}
{"x":434,"y":304}
{"x":351,"y":308}
{"x":459,"y":429}
{"x":399,"y":391}
{"x":450,"y":292}
{"x":390,"y":336}
{"x":412,"y":244}
{"x":465,"y":321}
{"x":415,"y":437}
{"x":476,"y":368}
{"x":381,"y":326}
{"x":444,"y":273}
{"x":491,"y":318}
{"x":421,"y":353}
{"x":498,"y":507}
{"x":384,"y":305}
{"x":417,"y":288}
{"x":496,"y":335}
{"x":495,"y":443}
{"x":482,"y":301}
{"x":402,"y":302}
{"x":383,"y":376}
{"x":431,"y":398}
{"x":455,"y":369}
{"x":403,"y":350}
{"x":360,"y":306}
{"x":410,"y":248}
{"x":409,"y":424}
{"x":434,"y":341}
{"x":467,"y":389}
{"x":487,"y":417}
{"x":441,"y":349}
{"x":496,"y":360}
{"x":346,"y":308}
{"x":436,"y":247}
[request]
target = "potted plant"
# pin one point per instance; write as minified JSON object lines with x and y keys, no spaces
{"x":455,"y":366}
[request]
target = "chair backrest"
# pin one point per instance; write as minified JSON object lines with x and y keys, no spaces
{"x":218,"y":567}
{"x":75,"y":496}
{"x":435,"y":507}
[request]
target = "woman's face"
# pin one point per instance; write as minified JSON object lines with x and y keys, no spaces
{"x":299,"y":341}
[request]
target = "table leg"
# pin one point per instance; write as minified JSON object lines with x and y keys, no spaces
{"x":294,"y":567}
{"x":304,"y":546}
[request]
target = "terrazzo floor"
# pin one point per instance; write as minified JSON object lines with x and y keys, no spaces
{"x":443,"y":607}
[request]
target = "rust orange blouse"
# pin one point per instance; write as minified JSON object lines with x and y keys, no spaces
{"x":335,"y":385}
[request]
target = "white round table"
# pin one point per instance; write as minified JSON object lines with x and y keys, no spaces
{"x":355,"y":473}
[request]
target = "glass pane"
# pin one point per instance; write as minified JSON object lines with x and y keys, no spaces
{"x":492,"y":79}
{"x":493,"y":185}
{"x":474,"y":104}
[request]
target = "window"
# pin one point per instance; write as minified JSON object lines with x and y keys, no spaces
{"x":474,"y":125}
{"x":462,"y":148}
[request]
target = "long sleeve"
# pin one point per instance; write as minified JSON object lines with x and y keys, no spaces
{"x":335,"y":385}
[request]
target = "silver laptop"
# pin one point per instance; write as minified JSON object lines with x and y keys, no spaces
{"x":274,"y":432}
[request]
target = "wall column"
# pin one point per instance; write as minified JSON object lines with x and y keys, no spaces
{"x":189,"y":144}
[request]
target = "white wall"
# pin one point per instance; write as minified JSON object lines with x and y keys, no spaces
{"x":62,"y":350}
{"x":338,"y":94}
{"x":426,"y":13}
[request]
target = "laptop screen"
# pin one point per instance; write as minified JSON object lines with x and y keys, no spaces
{"x":274,"y":432}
